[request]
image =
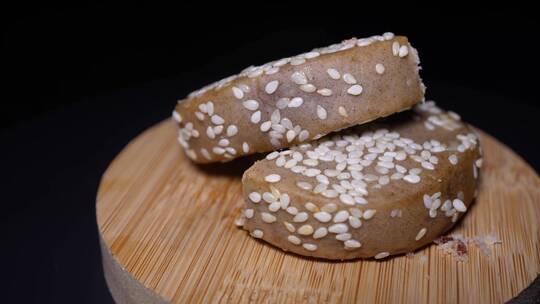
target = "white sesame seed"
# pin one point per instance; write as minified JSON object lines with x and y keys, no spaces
{"x":395,"y":48}
{"x":338,"y":228}
{"x":412,"y":178}
{"x":329,"y":208}
{"x":268,"y":197}
{"x":232,"y":130}
{"x":427,"y":201}
{"x":272,"y":155}
{"x":272,"y":178}
{"x":305,"y":230}
{"x":244,"y":88}
{"x":333,"y":73}
{"x":325,"y":92}
{"x":321,"y":112}
{"x":273,"y":207}
{"x":346,"y":199}
{"x":257,"y":233}
{"x":267,"y":217}
{"x":381,"y":255}
{"x":447,"y":205}
{"x":356,"y":212}
{"x":248,"y":213}
{"x":308,"y":88}
{"x":355,"y":222}
{"x":428,"y":165}
{"x":421,"y":234}
{"x":191,"y":154}
{"x":292,"y":210}
{"x":312,"y":54}
{"x":199,"y":115}
{"x":343,"y":237}
{"x":368,"y":214}
{"x":284,"y":201}
{"x":308,"y":246}
{"x":342,"y":111}
{"x":294,"y":239}
{"x":403,"y":51}
{"x":299,"y":78}
{"x":195,"y":133}
{"x":323,"y":216}
{"x":304,"y":134}
{"x":251,"y":104}
{"x":295,"y":102}
{"x":272,"y":70}
{"x":255,"y":197}
{"x":311,"y":172}
{"x":320,"y":233}
{"x":304,"y":185}
{"x":218,"y":129}
{"x":210,"y":133}
{"x":479,"y":162}
{"x":289,"y":227}
{"x":275,"y":117}
{"x":218,"y":150}
{"x":388,"y":35}
{"x":311,"y":207}
{"x":290,"y":135}
{"x":379,"y":68}
{"x":297,"y":61}
{"x":271,"y":87}
{"x":245,"y":147}
{"x":265,"y":126}
{"x":433,"y":213}
{"x":341,"y":216}
{"x":355,"y":90}
{"x":238,"y":93}
{"x":348,"y":78}
{"x":300,"y":217}
{"x":223,"y":142}
{"x":290,"y":163}
{"x":206,"y":154}
{"x":210,"y":108}
{"x":217,"y":120}
{"x":351,"y":244}
{"x":281,"y":161}
{"x":459,"y":205}
{"x":256,"y":117}
{"x":177,"y":116}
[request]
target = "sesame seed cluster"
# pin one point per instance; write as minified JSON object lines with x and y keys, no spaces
{"x":298,"y":99}
{"x":325,"y":195}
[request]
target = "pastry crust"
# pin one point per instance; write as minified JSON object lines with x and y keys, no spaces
{"x":385,"y":188}
{"x":299,"y":99}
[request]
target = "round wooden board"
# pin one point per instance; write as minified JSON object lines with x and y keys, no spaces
{"x":168,"y":235}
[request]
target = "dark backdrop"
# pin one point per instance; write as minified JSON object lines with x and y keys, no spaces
{"x":79,"y":83}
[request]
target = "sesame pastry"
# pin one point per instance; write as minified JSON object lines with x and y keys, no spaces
{"x":299,"y":99}
{"x":371,"y":191}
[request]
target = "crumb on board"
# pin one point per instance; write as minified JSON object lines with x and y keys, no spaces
{"x":457,"y":245}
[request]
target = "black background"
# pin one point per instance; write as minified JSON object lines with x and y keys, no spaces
{"x":79,"y":83}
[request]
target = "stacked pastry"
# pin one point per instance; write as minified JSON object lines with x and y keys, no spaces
{"x":359,"y":164}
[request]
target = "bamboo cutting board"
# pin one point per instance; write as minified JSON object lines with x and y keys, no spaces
{"x":168,"y":235}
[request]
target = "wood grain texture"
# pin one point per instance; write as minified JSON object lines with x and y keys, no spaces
{"x":168,"y":235}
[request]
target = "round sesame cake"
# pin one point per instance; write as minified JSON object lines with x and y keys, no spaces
{"x":383,"y":188}
{"x":299,"y":99}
